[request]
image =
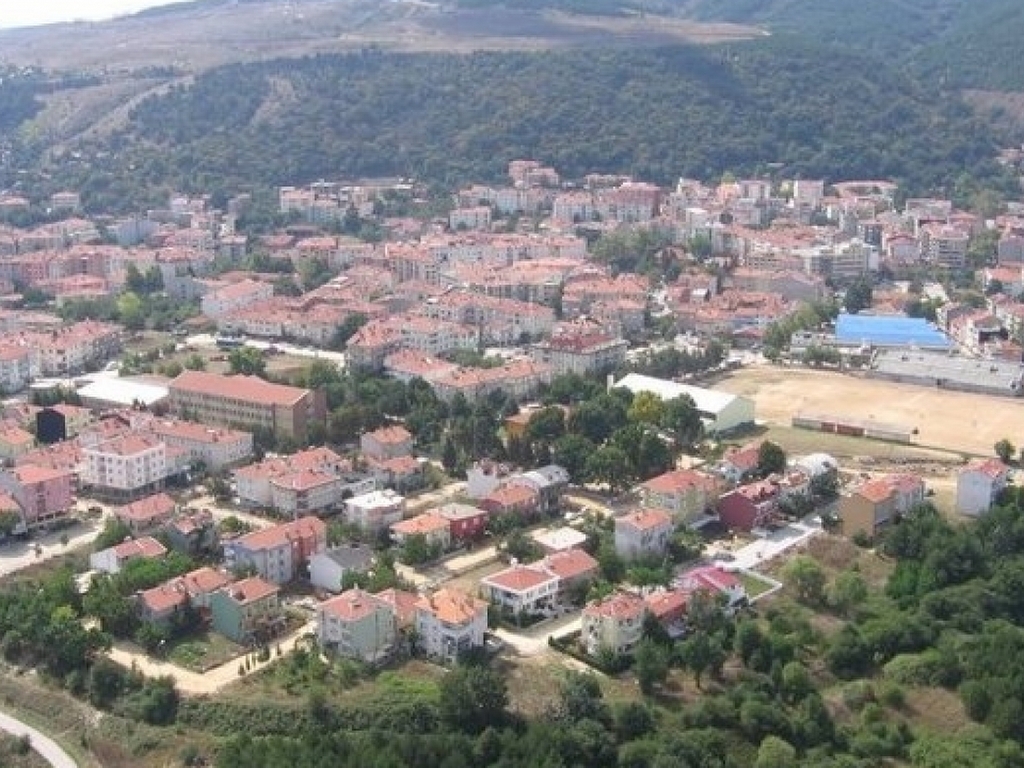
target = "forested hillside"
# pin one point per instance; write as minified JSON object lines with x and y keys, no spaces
{"x":657,"y":114}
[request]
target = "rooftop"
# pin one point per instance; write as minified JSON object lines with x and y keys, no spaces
{"x":352,"y":605}
{"x":452,"y":606}
{"x":707,"y":400}
{"x":252,"y":589}
{"x":251,"y":389}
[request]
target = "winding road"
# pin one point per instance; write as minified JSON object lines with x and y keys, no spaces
{"x":47,"y":748}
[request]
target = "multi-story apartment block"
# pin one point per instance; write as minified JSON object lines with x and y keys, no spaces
{"x":215,"y":447}
{"x":43,"y":495}
{"x":248,"y":402}
{"x":685,"y":494}
{"x":582,"y":351}
{"x":235,"y":296}
{"x":125,"y":467}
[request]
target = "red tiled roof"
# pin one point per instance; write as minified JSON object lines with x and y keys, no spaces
{"x":451,"y":606}
{"x":572,"y":563}
{"x":280,"y":535}
{"x":618,"y":605}
{"x":252,"y":589}
{"x":147,"y":509}
{"x":402,"y":603}
{"x":352,"y":605}
{"x":678,"y":481}
{"x":646,"y":519}
{"x":425,"y":524}
{"x":519,"y":578}
{"x":246,"y":388}
{"x":146,"y":546}
{"x":164,"y":597}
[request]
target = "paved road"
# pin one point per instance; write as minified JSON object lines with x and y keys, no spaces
{"x":763,"y":550}
{"x":47,"y":748}
{"x":20,"y":554}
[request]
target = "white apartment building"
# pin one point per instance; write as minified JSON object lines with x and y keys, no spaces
{"x":230,"y":298}
{"x":449,"y":622}
{"x":127,"y":466}
{"x":375,"y":510}
{"x":215,"y":447}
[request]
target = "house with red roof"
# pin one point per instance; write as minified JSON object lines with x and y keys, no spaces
{"x":147,"y":514}
{"x":357,"y":625}
{"x":434,"y":528}
{"x":465,"y":522}
{"x":449,"y":623}
{"x":750,"y":506}
{"x":541,"y":585}
{"x":685,"y":494}
{"x":615,"y":623}
{"x":247,"y":611}
{"x":280,"y":553}
{"x":512,"y":499}
{"x":874,"y":504}
{"x":643,"y":533}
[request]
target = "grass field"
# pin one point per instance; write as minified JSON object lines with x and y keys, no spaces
{"x":753,"y":584}
{"x":203,"y":651}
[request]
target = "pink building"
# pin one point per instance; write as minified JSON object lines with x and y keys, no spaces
{"x":42,"y":494}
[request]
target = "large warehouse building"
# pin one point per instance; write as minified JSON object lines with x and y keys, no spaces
{"x":721,"y":411}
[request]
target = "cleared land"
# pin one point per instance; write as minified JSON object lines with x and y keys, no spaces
{"x":954,"y":421}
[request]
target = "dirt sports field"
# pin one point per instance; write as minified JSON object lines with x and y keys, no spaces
{"x":953,"y":420}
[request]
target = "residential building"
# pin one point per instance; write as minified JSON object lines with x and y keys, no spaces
{"x":308,"y":481}
{"x":740,"y":463}
{"x":14,"y":443}
{"x":549,"y":483}
{"x":193,"y":532}
{"x":386,"y":443}
{"x":147,"y":514}
{"x":201,"y":584}
{"x":357,"y":625}
{"x":614,"y":623}
{"x":715,"y":580}
{"x":871,"y":506}
{"x":375,"y":510}
{"x":434,"y":528}
{"x":685,"y":494}
{"x":280,"y":553}
{"x":449,"y":622}
{"x":583,"y":351}
{"x":512,"y":499}
{"x":403,"y":605}
{"x":749,"y":507}
{"x":15,"y":367}
{"x":229,"y":298}
{"x":521,"y":589}
{"x":248,"y":402}
{"x":112,"y":559}
{"x":247,"y":611}
{"x":161,"y":604}
{"x":43,"y":494}
{"x":979,"y":484}
{"x":328,"y":569}
{"x":466,"y":523}
{"x":644,"y":533}
{"x":125,"y":467}
{"x":216,"y":448}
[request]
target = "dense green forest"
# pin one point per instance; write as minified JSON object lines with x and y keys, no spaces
{"x":801,"y":110}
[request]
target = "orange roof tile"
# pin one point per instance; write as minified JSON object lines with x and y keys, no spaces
{"x":452,"y":606}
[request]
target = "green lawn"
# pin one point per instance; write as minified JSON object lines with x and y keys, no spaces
{"x":754,"y":584}
{"x":203,"y":650}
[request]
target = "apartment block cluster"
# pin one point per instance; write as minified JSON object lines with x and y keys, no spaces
{"x":36,"y":345}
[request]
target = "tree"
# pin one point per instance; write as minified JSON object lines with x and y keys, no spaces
{"x":807,"y":577}
{"x":697,"y":654}
{"x":247,"y":361}
{"x":114,"y":532}
{"x":647,"y":408}
{"x":473,"y":698}
{"x":546,"y":425}
{"x":581,"y":698}
{"x":609,"y":464}
{"x":858,"y":296}
{"x":682,"y":419}
{"x":1005,"y":450}
{"x":129,"y":311}
{"x":9,"y":521}
{"x":449,"y":455}
{"x":771,"y":458}
{"x":775,"y":753}
{"x":650,"y":665}
{"x":571,"y":451}
{"x":195,"y":362}
{"x":847,"y":591}
{"x":653,"y":456}
{"x":347,"y":330}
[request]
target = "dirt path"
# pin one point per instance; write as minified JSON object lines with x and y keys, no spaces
{"x":191,"y":682}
